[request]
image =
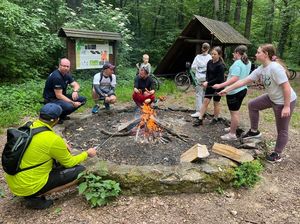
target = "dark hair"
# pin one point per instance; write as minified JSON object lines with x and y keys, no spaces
{"x":220,"y":52}
{"x":241,"y":49}
{"x":270,"y":50}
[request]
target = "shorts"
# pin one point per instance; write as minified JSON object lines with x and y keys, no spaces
{"x":234,"y":101}
{"x":210,"y":91}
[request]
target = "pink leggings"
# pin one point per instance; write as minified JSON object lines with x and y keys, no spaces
{"x":282,"y":123}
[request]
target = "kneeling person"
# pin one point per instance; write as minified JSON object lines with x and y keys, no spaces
{"x":44,"y":148}
{"x":104,"y":84}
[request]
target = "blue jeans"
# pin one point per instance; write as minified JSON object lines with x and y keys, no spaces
{"x":67,"y":107}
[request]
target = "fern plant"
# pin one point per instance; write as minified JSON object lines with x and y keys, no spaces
{"x":97,"y":191}
{"x":247,"y":174}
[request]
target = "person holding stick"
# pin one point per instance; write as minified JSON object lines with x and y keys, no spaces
{"x":280,"y":97}
{"x":214,"y":75}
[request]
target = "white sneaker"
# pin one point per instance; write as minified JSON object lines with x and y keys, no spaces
{"x":227,"y":129}
{"x":229,"y":137}
{"x":197,"y":114}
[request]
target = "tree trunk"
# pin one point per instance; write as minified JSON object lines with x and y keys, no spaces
{"x":237,"y":12}
{"x":180,"y":14}
{"x":269,"y":23}
{"x":227,"y":10}
{"x":216,"y":9}
{"x":138,"y":16}
{"x":154,"y":31}
{"x":74,"y":4}
{"x":286,"y":20}
{"x":248,"y":18}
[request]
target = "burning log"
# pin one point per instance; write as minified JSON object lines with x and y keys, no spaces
{"x":172,"y":132}
{"x":129,"y":125}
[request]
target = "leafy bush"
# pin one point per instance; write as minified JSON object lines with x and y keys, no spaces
{"x":247,"y":174}
{"x":97,"y":191}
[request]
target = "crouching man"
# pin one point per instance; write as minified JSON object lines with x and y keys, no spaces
{"x":104,"y":84}
{"x":45,"y":148}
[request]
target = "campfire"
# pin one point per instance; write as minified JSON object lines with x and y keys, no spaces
{"x":147,"y":128}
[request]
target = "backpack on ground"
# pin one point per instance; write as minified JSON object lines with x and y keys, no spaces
{"x":18,"y":139}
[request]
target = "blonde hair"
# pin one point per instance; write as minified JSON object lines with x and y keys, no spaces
{"x":270,"y":50}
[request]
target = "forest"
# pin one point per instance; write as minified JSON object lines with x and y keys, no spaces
{"x":30,"y":47}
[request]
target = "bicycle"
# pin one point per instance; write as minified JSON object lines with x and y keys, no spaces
{"x":183,"y":80}
{"x":156,"y":83}
{"x":293,"y":74}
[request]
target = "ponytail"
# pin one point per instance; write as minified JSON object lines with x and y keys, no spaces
{"x":270,"y":50}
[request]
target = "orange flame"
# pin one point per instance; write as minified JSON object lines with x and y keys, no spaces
{"x":149,"y":125}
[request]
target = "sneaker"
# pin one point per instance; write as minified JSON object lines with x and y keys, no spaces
{"x":95,"y":109}
{"x":107,"y":106}
{"x":229,"y":137}
{"x":197,"y":114}
{"x":251,"y":134}
{"x":38,"y":203}
{"x":214,"y":121}
{"x":227,"y":129}
{"x":274,"y":157}
{"x":198,"y":122}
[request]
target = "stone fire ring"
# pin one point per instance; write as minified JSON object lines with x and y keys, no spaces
{"x":208,"y":176}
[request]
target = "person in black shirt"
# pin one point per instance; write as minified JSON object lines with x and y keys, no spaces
{"x":214,"y":75}
{"x":143,"y":87}
{"x":55,"y":90}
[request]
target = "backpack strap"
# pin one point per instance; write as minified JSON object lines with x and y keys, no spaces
{"x":35,"y":131}
{"x":101,"y":77}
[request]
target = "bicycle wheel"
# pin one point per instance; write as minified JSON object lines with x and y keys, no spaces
{"x":182,"y":81}
{"x":293,"y":74}
{"x":155,"y":82}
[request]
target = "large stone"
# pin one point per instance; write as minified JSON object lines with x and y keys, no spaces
{"x":159,"y":179}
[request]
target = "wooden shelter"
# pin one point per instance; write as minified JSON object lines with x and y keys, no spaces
{"x":88,"y":49}
{"x":188,"y":43}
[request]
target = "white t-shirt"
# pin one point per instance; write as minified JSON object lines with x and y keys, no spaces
{"x":105,"y":84}
{"x":200,"y":63}
{"x":272,"y":76}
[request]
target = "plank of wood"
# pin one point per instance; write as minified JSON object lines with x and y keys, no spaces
{"x":196,"y":152}
{"x":232,"y":153}
{"x":129,"y":123}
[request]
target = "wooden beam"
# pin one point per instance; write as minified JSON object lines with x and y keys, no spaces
{"x":196,"y":41}
{"x":232,"y":153}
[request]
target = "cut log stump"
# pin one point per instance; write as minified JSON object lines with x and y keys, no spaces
{"x":196,"y":152}
{"x":232,"y":153}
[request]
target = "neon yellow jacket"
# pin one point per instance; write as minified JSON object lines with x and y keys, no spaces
{"x":45,"y":146}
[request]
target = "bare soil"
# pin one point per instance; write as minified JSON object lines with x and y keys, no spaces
{"x":275,"y":199}
{"x":142,"y":150}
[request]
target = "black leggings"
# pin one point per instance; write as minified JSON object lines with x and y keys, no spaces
{"x":60,"y":176}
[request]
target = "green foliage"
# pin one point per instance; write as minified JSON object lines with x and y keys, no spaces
{"x":247,"y":174}
{"x":103,"y":17}
{"x":19,"y":100}
{"x":26,"y":45}
{"x":97,"y":191}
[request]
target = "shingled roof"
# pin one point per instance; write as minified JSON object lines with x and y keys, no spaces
{"x":198,"y":31}
{"x":89,"y":34}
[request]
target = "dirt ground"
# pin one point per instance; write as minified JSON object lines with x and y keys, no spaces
{"x":276,"y":199}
